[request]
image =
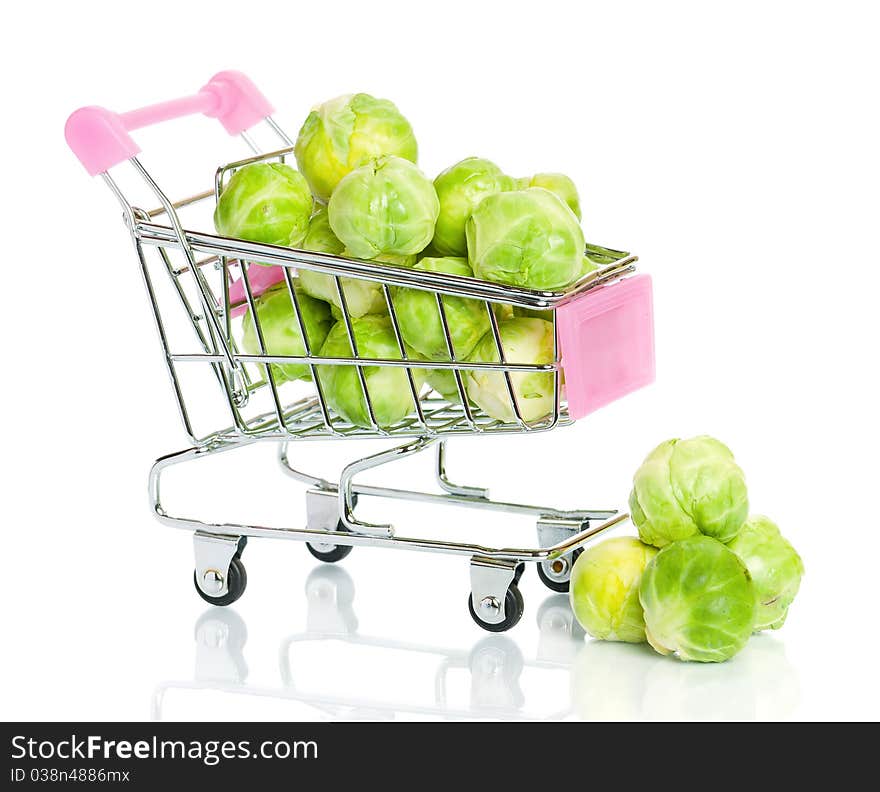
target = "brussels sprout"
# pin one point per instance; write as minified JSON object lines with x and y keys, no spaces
{"x":699,"y":601}
{"x":443,"y":381}
{"x":388,"y":386}
{"x":361,"y":296}
{"x":460,"y":188}
{"x":534,"y":313}
{"x":281,"y":330}
{"x":559,"y":184}
{"x":265,"y":202}
{"x":604,"y":589}
{"x":525,"y":238}
{"x":686,"y":487}
{"x":525,"y":341}
{"x":419,"y":317}
{"x":385,"y":206}
{"x":319,"y":237}
{"x":343,"y":133}
{"x":775,"y":567}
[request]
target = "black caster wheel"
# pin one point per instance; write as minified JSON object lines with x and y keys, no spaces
{"x":556,"y":574}
{"x":236,"y":584}
{"x":513,"y":611}
{"x":329,"y":553}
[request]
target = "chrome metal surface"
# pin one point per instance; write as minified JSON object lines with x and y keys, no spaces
{"x":490,"y":579}
{"x":455,"y":489}
{"x":213,"y":554}
{"x":379,"y":539}
{"x":551,"y":531}
{"x":322,"y":510}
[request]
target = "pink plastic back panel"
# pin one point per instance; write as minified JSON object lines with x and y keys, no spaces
{"x":606,"y":338}
{"x":261,"y":277}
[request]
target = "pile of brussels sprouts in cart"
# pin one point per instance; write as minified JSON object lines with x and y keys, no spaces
{"x":358,"y":193}
{"x":703,"y":574}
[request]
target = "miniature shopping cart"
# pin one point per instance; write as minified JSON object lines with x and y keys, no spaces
{"x":198,"y":284}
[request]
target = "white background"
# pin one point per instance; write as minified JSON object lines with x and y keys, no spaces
{"x":734,"y":148}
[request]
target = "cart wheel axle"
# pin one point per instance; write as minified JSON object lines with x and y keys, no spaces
{"x":513,"y":610}
{"x":236,"y":583}
{"x":330,"y":553}
{"x":556,"y":574}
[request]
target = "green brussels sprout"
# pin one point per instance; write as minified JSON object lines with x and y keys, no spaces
{"x":559,"y":184}
{"x":388,"y":386}
{"x":534,"y":313}
{"x":525,"y":341}
{"x":443,"y":381}
{"x":265,"y":202}
{"x":526,"y":238}
{"x":699,"y":600}
{"x":281,"y":330}
{"x":319,"y":237}
{"x":685,"y":487}
{"x":775,"y":567}
{"x":460,"y":188}
{"x":386,"y":206}
{"x":604,"y":589}
{"x":361,"y":296}
{"x":344,"y":133}
{"x":419,"y":317}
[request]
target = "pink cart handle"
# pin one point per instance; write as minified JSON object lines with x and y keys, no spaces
{"x":100,"y":138}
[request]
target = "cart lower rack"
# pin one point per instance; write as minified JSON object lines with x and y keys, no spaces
{"x":199,"y":284}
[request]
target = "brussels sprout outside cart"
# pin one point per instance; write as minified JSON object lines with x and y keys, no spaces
{"x":198,"y":283}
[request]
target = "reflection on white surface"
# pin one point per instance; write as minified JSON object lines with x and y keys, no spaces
{"x":321,"y":667}
{"x":330,"y":671}
{"x":614,"y":681}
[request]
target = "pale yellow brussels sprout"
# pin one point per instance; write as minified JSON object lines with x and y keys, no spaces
{"x":524,"y":341}
{"x":344,"y":133}
{"x":604,"y":589}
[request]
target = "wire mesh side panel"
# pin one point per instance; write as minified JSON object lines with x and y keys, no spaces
{"x":357,"y":386}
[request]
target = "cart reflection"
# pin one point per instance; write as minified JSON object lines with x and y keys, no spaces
{"x":482,"y":682}
{"x":567,"y":677}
